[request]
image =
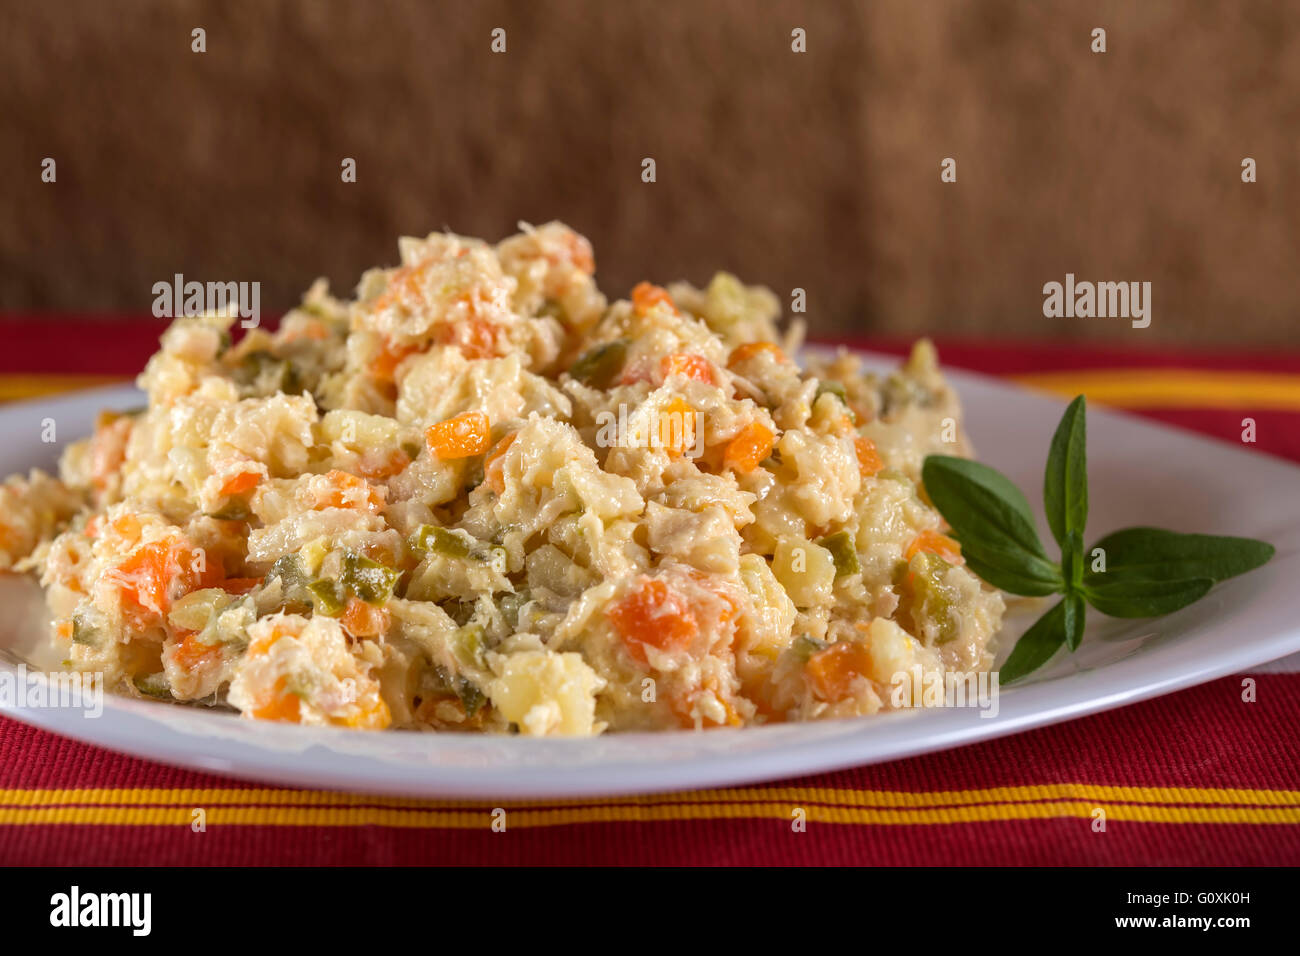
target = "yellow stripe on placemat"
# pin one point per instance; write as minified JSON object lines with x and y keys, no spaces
{"x":270,"y":807}
{"x":482,"y":819}
{"x":1172,"y":387}
{"x":1123,"y":388}
{"x":18,"y":387}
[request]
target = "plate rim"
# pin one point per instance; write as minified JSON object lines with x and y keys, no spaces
{"x":857,"y":745}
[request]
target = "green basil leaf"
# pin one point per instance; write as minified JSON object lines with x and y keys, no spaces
{"x":1065,"y":483}
{"x":980,"y":504}
{"x":1036,"y":646}
{"x":1072,"y":559}
{"x":1012,"y":570}
{"x":1154,"y":554}
{"x":1076,"y":610}
{"x":1125,"y":597}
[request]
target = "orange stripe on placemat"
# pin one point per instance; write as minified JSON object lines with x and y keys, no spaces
{"x":1172,"y":387}
{"x":270,"y":807}
{"x":1121,"y":387}
{"x":18,"y":387}
{"x":482,"y":819}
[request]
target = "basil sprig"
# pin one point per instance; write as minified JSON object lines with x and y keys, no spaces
{"x":1136,"y":572}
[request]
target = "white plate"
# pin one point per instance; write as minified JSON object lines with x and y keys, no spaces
{"x":1139,"y":474}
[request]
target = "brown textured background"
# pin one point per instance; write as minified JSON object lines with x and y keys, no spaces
{"x":818,"y":170}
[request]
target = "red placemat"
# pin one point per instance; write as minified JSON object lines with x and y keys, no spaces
{"x":1197,"y":777}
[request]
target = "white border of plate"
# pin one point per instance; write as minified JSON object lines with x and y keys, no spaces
{"x":1140,"y":473}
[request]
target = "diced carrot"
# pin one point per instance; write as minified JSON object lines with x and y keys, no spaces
{"x":384,"y":365}
{"x":63,"y":630}
{"x":462,"y":436}
{"x":394,"y":463}
{"x":753,"y":443}
{"x":145,"y":578}
{"x":580,"y":253}
{"x":759,"y":691}
{"x":647,"y":296}
{"x":207,"y":574}
{"x":281,"y":704}
{"x":574,"y":250}
{"x":684,"y":363}
{"x":749,"y":350}
{"x":935,"y":543}
{"x":240,"y":585}
{"x":9,"y":538}
{"x":476,"y":338}
{"x":127,"y":525}
{"x":710,"y":581}
{"x":869,"y":462}
{"x":833,"y":670}
{"x":373,"y":715}
{"x":190,"y":652}
{"x":495,"y":462}
{"x":638,"y":370}
{"x":108,"y":448}
{"x":653,"y":615}
{"x":404,"y":285}
{"x":364,"y":620}
{"x":313,"y":329}
{"x":243,"y":482}
{"x":263,"y":643}
{"x":677,"y":427}
{"x":681,"y":707}
{"x":349,"y":491}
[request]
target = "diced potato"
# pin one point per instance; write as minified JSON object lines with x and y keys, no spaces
{"x":893,"y":651}
{"x":545,"y":693}
{"x":805,"y":570}
{"x":769,"y":624}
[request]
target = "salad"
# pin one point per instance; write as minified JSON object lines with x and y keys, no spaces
{"x":480,"y":496}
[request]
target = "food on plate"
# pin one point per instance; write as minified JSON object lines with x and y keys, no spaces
{"x":479,"y":496}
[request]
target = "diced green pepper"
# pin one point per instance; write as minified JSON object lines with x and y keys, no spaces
{"x":924,"y":598}
{"x":263,"y":368}
{"x":233,"y":510}
{"x":836,"y":389}
{"x":598,"y":366}
{"x":367,"y":579}
{"x":83,"y":633}
{"x":467,"y":646}
{"x":804,"y":647}
{"x":440,"y":541}
{"x":293,"y":580}
{"x":328,"y":596}
{"x":471,"y":698}
{"x":288,"y":568}
{"x":833,"y":388}
{"x":843,"y":550}
{"x":510,"y":606}
{"x":155,"y":686}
